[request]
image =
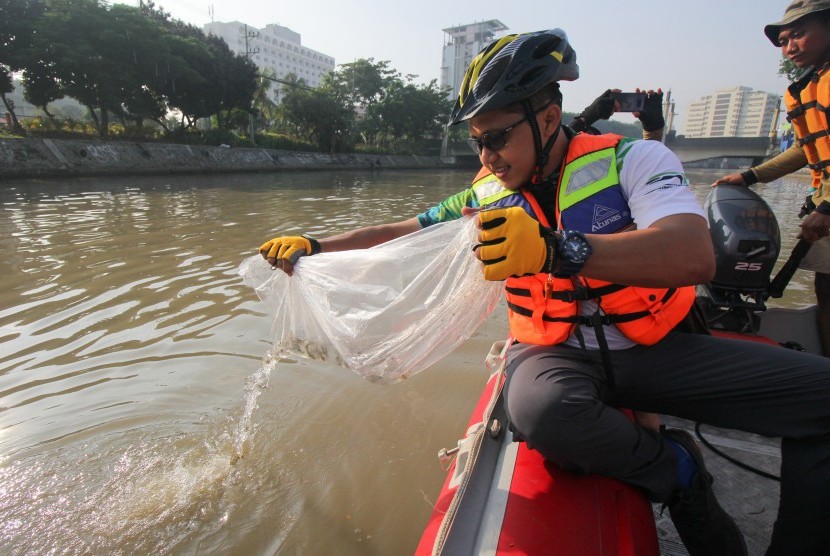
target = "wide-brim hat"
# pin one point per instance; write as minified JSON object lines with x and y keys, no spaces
{"x":794,"y":12}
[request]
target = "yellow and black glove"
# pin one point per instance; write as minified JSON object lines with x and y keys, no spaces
{"x":512,"y":243}
{"x":290,"y":248}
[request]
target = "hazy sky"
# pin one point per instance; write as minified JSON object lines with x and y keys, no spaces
{"x":690,"y":47}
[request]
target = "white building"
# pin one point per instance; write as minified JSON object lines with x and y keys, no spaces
{"x":461,"y":45}
{"x":275,"y":48}
{"x":733,"y":112}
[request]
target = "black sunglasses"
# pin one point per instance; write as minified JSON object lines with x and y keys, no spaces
{"x":493,"y":140}
{"x":496,"y":140}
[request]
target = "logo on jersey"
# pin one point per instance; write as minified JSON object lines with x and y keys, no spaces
{"x":604,"y":217}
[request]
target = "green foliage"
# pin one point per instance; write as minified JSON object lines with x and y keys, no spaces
{"x":369,"y":149}
{"x":17,"y":26}
{"x":367,"y":103}
{"x":266,"y":108}
{"x":320,"y":116}
{"x":69,"y":127}
{"x":217,"y":136}
{"x":365,"y":81}
{"x":137,"y":70}
{"x":17,"y":29}
{"x":282,"y":142}
{"x":135,"y":64}
{"x":788,"y":69}
{"x":5,"y":133}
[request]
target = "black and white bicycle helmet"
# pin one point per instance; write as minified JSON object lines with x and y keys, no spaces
{"x":513,"y":68}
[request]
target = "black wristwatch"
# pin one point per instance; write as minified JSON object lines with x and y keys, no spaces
{"x":573,"y":251}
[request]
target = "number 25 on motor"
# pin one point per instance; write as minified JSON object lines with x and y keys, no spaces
{"x":752,"y":267}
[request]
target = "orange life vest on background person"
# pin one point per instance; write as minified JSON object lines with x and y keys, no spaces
{"x":808,"y":102}
{"x":544,"y":309}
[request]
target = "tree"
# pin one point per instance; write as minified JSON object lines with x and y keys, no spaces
{"x":263,"y":105}
{"x":788,"y":69}
{"x":321,"y":116}
{"x":41,"y":84}
{"x":134,"y":63}
{"x":365,"y":83}
{"x":235,"y":75}
{"x":17,"y":23}
{"x":414,"y":112}
{"x":136,"y":48}
{"x":83,"y":50}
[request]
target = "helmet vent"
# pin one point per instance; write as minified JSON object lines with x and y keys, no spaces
{"x":488,"y":78}
{"x":545,"y":48}
{"x":530,"y":79}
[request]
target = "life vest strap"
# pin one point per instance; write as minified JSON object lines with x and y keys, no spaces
{"x":821,"y":165}
{"x":807,"y":139}
{"x":586,"y":320}
{"x":800,"y":109}
{"x":580,"y":294}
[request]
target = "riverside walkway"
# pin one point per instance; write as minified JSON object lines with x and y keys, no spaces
{"x":34,"y":158}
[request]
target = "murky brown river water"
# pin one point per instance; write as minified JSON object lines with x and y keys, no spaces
{"x":127,"y":340}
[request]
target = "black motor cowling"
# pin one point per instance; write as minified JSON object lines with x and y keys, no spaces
{"x":746,"y":240}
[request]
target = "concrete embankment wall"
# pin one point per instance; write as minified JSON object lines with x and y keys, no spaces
{"x":31,"y":158}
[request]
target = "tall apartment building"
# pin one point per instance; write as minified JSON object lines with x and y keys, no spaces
{"x":733,"y":112}
{"x":276,"y":48}
{"x":461,"y":45}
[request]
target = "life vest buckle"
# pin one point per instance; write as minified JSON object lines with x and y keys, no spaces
{"x":572,"y":296}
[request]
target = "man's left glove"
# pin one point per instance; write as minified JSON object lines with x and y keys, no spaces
{"x":512,"y":243}
{"x":290,"y":248}
{"x":652,"y":114}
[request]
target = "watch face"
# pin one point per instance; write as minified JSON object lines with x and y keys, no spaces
{"x":577,"y":249}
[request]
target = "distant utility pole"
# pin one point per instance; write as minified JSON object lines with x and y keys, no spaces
{"x":250,"y":34}
{"x":773,"y":128}
{"x":668,"y":116}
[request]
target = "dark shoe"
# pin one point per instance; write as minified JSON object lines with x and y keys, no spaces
{"x":704,"y":527}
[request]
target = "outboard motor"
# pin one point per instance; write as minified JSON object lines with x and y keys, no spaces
{"x":747,"y":241}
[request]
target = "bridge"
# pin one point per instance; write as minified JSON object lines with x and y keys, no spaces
{"x":715,"y":152}
{"x":719,"y":152}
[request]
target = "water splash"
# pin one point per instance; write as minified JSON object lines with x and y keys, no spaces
{"x":254,"y":385}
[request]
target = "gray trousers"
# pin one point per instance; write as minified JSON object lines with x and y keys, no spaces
{"x":558,"y":402}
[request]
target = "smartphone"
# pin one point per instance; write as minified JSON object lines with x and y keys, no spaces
{"x":631,"y":102}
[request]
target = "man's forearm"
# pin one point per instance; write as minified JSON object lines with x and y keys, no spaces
{"x":785,"y":163}
{"x":369,"y":236}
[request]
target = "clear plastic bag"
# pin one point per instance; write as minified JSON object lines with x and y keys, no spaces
{"x":387,"y":312}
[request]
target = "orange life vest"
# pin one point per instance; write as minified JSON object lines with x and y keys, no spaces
{"x":544,"y":309}
{"x":808,"y":103}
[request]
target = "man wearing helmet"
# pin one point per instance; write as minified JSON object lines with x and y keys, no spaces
{"x":600,"y":241}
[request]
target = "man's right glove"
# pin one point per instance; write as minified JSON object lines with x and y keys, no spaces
{"x":512,"y":243}
{"x":652,"y":114}
{"x":601,"y":109}
{"x":290,"y":248}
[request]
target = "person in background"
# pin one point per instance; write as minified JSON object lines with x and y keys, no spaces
{"x":786,"y":136}
{"x":605,"y":105}
{"x":804,"y":37}
{"x":599,"y":242}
